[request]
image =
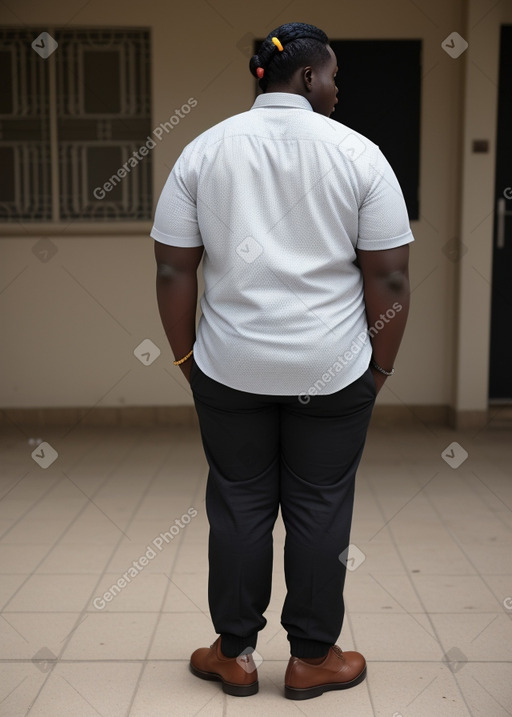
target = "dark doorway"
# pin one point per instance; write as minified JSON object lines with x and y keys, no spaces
{"x":379,"y":84}
{"x":500,"y":372}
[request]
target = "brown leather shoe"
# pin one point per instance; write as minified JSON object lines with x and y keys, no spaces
{"x":238,"y":675}
{"x":338,"y":671}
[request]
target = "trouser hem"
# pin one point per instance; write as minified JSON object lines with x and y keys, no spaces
{"x":233,"y":645}
{"x":299,"y":647}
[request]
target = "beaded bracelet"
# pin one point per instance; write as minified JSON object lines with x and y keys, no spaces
{"x":379,"y":368}
{"x":185,"y":358}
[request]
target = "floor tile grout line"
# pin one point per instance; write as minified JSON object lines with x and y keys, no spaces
{"x":140,"y":501}
{"x":82,"y":696}
{"x":428,"y":615}
{"x":60,"y":480}
{"x":131,"y":447}
{"x":13,"y":486}
{"x":463,"y":551}
{"x":348,"y":617}
{"x":199,"y":487}
{"x":433,"y":494}
{"x":45,"y":494}
{"x":420,"y":490}
{"x":54,"y":544}
{"x":13,"y":690}
{"x":483,"y":499}
{"x":134,"y":513}
{"x":418,"y":596}
{"x":490,"y":695}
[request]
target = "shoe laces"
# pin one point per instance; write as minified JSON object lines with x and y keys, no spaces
{"x":338,"y":650}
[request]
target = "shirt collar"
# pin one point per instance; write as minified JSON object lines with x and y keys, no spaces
{"x":281,"y":99}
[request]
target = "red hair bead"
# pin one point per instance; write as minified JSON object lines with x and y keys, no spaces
{"x":260,"y":72}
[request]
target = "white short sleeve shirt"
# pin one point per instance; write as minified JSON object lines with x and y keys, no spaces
{"x":281,"y":196}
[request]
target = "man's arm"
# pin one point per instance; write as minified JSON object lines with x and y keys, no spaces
{"x":386,"y":282}
{"x":176,"y":291}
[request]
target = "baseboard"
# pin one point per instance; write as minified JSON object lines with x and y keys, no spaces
{"x":469,"y":420}
{"x":99,"y":417}
{"x":186,"y":416}
{"x":399,"y":415}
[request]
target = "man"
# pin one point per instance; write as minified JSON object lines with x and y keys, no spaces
{"x":305,"y":237}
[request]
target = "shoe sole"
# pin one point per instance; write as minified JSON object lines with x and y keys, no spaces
{"x":306,"y":693}
{"x":228,"y":687}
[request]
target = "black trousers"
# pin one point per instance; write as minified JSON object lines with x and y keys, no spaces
{"x":269,"y":451}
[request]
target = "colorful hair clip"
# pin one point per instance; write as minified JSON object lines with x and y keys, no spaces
{"x":277,"y":44}
{"x":260,"y":71}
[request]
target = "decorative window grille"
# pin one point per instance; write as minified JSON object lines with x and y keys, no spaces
{"x":70,"y":122}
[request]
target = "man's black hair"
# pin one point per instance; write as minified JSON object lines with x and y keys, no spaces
{"x":302,"y":45}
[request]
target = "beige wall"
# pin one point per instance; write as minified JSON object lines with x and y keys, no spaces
{"x":477,"y":211}
{"x":70,"y":325}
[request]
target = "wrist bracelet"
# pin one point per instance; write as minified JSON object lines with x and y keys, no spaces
{"x":380,"y":369}
{"x":185,"y":358}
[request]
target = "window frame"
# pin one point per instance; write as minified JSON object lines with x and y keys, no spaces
{"x":77,"y":226}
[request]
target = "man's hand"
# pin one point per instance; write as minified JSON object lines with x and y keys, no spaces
{"x":379,"y":378}
{"x":186,"y":367}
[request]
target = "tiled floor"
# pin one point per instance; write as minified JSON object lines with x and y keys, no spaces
{"x":429,"y":596}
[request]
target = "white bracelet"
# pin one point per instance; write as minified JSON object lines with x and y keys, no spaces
{"x":379,"y":368}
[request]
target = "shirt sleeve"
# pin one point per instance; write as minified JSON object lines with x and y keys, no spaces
{"x":176,"y":212}
{"x":383,"y":218}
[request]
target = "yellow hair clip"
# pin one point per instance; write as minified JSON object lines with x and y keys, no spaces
{"x":277,"y":44}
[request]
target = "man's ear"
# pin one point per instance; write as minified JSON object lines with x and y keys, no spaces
{"x":307,"y":78}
